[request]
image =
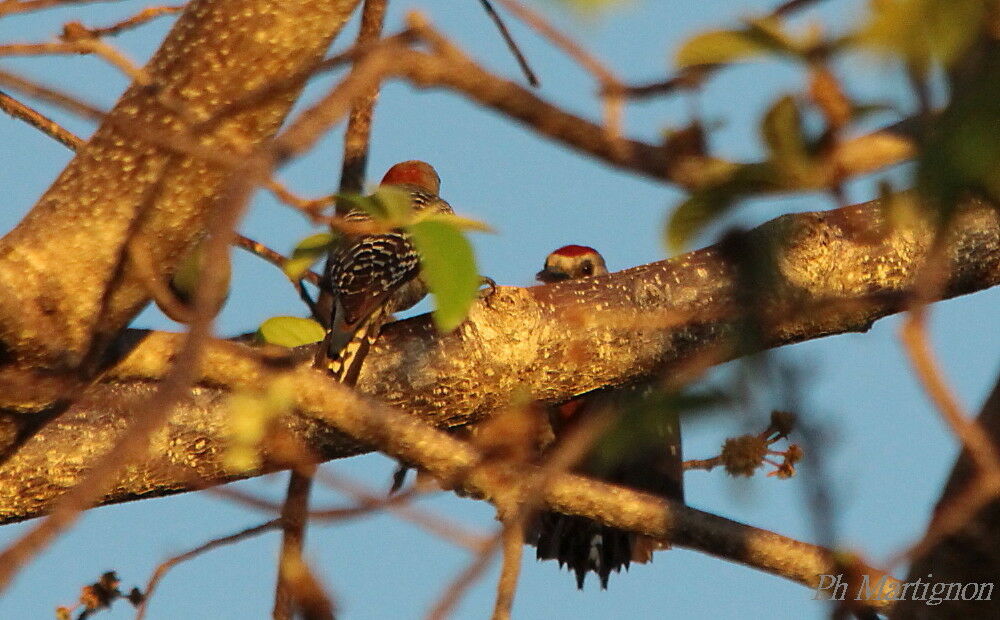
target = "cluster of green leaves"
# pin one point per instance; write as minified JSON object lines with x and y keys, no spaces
{"x":794,"y":162}
{"x":447,"y":262}
{"x":922,"y":35}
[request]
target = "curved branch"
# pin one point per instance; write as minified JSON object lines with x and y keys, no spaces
{"x":449,"y":459}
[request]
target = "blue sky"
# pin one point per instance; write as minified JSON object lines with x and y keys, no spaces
{"x":887,"y":450}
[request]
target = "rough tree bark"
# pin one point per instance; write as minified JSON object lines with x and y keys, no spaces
{"x":828,"y":272}
{"x":65,"y":284}
{"x":154,"y":170}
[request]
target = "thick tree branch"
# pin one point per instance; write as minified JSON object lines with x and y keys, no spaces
{"x":829,"y":273}
{"x":58,"y":263}
{"x":450,"y":68}
{"x":450,"y":459}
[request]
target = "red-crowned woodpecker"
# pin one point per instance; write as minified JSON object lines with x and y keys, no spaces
{"x":372,"y":276}
{"x":570,"y":262}
{"x":645,"y":457}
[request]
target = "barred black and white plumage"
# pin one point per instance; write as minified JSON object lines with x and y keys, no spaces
{"x":371,"y":276}
{"x":652,"y":463}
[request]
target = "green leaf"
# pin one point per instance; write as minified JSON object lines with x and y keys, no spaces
{"x":717,"y":47}
{"x":307,"y":252}
{"x":388,"y":205}
{"x":761,"y":36}
{"x":960,"y":155}
{"x":458,"y":221}
{"x":782,"y":133}
{"x":368,"y":204}
{"x":693,"y":215}
{"x":708,"y":204}
{"x":290,"y":331}
{"x":184,"y":282}
{"x":448,"y":266}
{"x":924,"y":30}
{"x":397,"y":205}
{"x":769,"y":32}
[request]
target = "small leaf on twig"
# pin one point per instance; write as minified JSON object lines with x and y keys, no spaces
{"x":290,"y":331}
{"x":448,"y":264}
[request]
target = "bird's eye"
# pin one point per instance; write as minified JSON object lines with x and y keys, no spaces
{"x":588,"y":268}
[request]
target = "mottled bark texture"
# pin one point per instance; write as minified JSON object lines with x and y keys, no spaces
{"x":972,"y":555}
{"x":58,"y":263}
{"x":814,"y":274}
{"x":331,"y":405}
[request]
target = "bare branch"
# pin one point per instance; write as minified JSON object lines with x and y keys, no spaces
{"x":161,"y":570}
{"x":10,"y":7}
{"x":142,"y":17}
{"x":294,"y":519}
{"x":39,"y":121}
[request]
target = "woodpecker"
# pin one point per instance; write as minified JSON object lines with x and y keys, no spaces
{"x":650,"y":462}
{"x":570,"y":262}
{"x":371,"y":276}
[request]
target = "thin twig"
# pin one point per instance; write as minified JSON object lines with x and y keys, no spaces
{"x":453,"y":593}
{"x":142,"y":17}
{"x":355,"y":160}
{"x":685,"y":79}
{"x":703,"y":464}
{"x":81,"y":46}
{"x":294,"y":518}
{"x":313,"y":208}
{"x":522,"y":62}
{"x":275,"y":258}
{"x":165,"y":566}
{"x":51,"y":95}
{"x":969,"y":432}
{"x":11,"y":7}
{"x":512,"y":537}
{"x":400,"y":504}
{"x":610,"y":86}
{"x":39,"y":121}
{"x":140,"y":259}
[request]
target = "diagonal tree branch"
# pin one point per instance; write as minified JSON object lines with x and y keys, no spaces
{"x":829,"y":274}
{"x":451,"y":459}
{"x":62,"y":258}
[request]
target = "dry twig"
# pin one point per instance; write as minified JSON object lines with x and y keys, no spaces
{"x":142,"y":17}
{"x":161,"y":570}
{"x":39,"y":121}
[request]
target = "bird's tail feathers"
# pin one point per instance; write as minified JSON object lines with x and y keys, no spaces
{"x":348,"y":346}
{"x":583,"y":545}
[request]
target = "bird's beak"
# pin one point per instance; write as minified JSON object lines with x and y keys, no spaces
{"x":549,"y":277}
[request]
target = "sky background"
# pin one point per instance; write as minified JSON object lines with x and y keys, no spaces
{"x":887,"y":452}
